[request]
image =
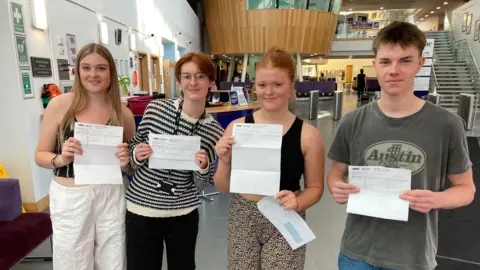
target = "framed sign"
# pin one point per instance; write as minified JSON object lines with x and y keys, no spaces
{"x":17,"y":19}
{"x":41,"y":67}
{"x":21,"y":48}
{"x":476,"y":30}
{"x":26,"y":81}
{"x":469,"y":24}
{"x":72,"y":49}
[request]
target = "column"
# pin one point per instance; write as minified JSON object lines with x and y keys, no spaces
{"x":299,"y":68}
{"x":231,"y":68}
{"x":245,"y":65}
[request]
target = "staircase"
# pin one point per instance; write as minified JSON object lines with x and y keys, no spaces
{"x":452,"y":77}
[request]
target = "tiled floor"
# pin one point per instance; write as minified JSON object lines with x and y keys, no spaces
{"x":326,"y":218}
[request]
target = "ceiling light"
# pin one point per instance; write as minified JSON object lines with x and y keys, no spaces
{"x":39,"y":14}
{"x":432,"y":12}
{"x":421,"y":19}
{"x":426,"y":15}
{"x":445,"y":3}
{"x":438,"y":7}
{"x":381,"y":7}
{"x":350,"y":9}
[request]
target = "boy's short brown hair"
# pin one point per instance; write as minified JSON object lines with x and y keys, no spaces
{"x":204,"y":63}
{"x":401,"y":33}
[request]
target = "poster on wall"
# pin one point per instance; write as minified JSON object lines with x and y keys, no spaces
{"x":425,"y":72}
{"x":469,"y":23}
{"x":476,"y":30}
{"x":26,"y":81}
{"x":21,"y":48}
{"x":422,"y":78}
{"x":72,"y":49}
{"x":122,"y":68}
{"x":421,"y":83}
{"x":17,"y":19}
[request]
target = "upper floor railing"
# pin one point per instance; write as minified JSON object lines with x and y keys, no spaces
{"x":323,"y":5}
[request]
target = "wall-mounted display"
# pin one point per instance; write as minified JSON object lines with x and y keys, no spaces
{"x":21,"y":46}
{"x":476,"y":30}
{"x":41,"y":67}
{"x":66,"y":86}
{"x":17,"y":19}
{"x":469,"y":23}
{"x":26,"y":82}
{"x":72,"y":49}
{"x":63,"y":69}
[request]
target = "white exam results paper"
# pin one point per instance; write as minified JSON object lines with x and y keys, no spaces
{"x":288,"y":222}
{"x":173,"y":152}
{"x":256,"y":159}
{"x":380,"y":188}
{"x":98,"y":163}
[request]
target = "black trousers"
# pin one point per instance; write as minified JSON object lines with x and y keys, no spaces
{"x":146,"y":235}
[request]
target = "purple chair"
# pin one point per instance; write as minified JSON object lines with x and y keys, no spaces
{"x":19,"y":233}
{"x":11,"y":201}
{"x":372,"y":85}
{"x":303,"y":88}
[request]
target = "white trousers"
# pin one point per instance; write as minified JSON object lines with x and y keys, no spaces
{"x":88,"y":227}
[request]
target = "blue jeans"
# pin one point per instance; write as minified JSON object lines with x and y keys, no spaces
{"x":345,"y":263}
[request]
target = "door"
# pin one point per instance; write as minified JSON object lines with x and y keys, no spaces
{"x":349,"y":74}
{"x":143,"y":69}
{"x":166,"y":76}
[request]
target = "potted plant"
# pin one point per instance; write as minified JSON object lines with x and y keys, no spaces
{"x":124,"y":84}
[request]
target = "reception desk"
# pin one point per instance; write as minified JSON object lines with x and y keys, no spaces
{"x":226,"y":114}
{"x":223,"y":114}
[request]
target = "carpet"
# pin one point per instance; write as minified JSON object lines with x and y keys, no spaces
{"x":459,"y":229}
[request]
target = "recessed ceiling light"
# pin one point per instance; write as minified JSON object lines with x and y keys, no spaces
{"x":350,"y":9}
{"x":438,"y":7}
{"x":421,"y":19}
{"x":445,"y":3}
{"x":432,"y":12}
{"x":426,"y":15}
{"x":381,"y":7}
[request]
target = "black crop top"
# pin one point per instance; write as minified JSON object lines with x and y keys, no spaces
{"x":67,"y":170}
{"x":292,"y":163}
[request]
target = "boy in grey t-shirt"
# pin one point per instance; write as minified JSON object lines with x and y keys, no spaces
{"x":400,"y":131}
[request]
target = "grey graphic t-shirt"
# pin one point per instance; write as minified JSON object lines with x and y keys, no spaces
{"x":431,"y":144}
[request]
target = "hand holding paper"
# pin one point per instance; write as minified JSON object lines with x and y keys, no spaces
{"x":380,"y":189}
{"x":256,"y":159}
{"x":421,"y":200}
{"x":98,"y":163}
{"x":288,"y":222}
{"x":173,"y":152}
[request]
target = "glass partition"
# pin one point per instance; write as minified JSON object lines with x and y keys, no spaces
{"x":323,"y":5}
{"x":366,"y":24}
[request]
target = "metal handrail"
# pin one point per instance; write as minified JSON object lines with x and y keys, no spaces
{"x":471,"y":53}
{"x":434,"y":74}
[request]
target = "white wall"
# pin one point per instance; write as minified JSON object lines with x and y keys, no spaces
{"x":429,"y":24}
{"x":20,"y":119}
{"x":352,"y":47}
{"x":337,"y":64}
{"x":457,"y":21}
{"x":14,"y":121}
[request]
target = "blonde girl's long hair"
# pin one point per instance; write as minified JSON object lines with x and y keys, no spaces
{"x":80,"y":95}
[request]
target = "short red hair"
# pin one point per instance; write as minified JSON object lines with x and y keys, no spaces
{"x":203,"y":62}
